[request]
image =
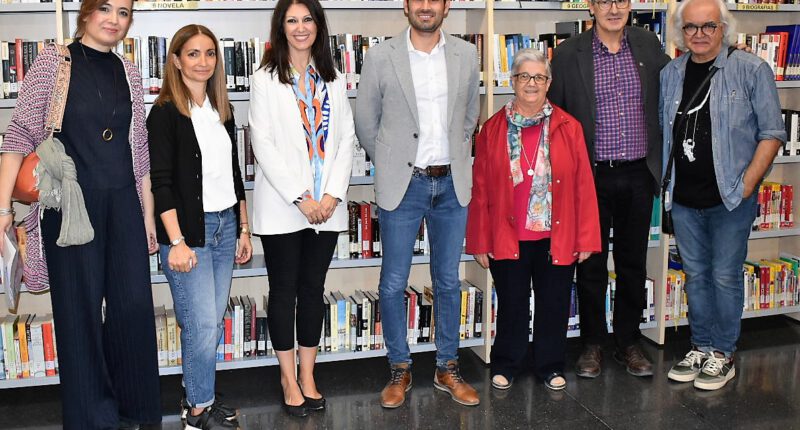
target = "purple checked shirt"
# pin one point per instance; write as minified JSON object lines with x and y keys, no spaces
{"x":621,"y":131}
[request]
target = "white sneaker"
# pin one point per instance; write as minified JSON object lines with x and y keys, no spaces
{"x":687,"y":369}
{"x":716,"y":372}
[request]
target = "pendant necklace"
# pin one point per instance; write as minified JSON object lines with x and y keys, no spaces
{"x":107,"y":134}
{"x":530,"y":165}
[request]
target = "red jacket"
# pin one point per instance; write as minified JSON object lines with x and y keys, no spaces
{"x":491,"y":227}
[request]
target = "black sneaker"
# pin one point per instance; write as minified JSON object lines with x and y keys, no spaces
{"x":687,"y":369}
{"x":229,"y":412}
{"x":210,"y":419}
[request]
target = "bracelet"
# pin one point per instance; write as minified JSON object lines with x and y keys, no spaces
{"x":245,"y":230}
{"x":7,"y":211}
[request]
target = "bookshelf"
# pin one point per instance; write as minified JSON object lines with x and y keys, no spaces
{"x":245,"y":19}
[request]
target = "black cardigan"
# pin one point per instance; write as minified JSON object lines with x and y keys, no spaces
{"x":573,"y":87}
{"x":176,"y":172}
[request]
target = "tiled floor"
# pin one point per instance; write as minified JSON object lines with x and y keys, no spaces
{"x":764,"y":395}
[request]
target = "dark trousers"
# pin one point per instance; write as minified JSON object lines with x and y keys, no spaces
{"x":108,"y":369}
{"x":297,"y":264}
{"x":551,"y":289}
{"x":625,"y":202}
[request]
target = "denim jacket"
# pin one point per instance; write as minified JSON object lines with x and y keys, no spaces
{"x":745,"y":110}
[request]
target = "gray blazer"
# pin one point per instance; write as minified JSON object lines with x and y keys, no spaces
{"x":387,"y":123}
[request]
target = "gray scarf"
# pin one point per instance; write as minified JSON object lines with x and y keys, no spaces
{"x":59,"y":189}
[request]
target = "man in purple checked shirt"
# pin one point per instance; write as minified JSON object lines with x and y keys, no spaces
{"x":608,"y":78}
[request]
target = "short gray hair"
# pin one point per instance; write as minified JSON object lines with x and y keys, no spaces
{"x":530,"y":54}
{"x":725,"y":16}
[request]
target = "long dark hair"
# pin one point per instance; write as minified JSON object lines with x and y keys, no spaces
{"x":276,"y":56}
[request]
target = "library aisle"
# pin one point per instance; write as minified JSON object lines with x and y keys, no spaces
{"x":764,"y":394}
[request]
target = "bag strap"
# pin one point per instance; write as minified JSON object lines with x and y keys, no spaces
{"x":58,"y":100}
{"x":679,"y":124}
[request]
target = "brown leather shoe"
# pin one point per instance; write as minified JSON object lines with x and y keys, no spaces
{"x":634,"y":360}
{"x":588,"y":364}
{"x":450,"y":381}
{"x":394,"y":393}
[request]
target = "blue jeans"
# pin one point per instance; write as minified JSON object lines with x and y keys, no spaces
{"x":713,"y":246}
{"x":200,"y":297}
{"x":435,"y":200}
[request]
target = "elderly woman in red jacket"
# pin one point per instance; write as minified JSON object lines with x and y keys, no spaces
{"x":533,"y":215}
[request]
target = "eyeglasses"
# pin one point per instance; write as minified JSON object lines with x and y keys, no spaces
{"x":708,"y":29}
{"x":524,"y":78}
{"x":606,"y":4}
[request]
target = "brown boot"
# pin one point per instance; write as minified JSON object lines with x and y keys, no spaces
{"x":394,"y":393}
{"x":450,"y":381}
{"x":634,"y":360}
{"x":588,"y":364}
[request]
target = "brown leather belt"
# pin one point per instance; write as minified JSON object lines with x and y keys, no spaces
{"x":434,"y":171}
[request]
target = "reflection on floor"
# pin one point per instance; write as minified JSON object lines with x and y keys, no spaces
{"x":764,"y":394}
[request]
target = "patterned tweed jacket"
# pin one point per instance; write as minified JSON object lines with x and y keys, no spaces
{"x":26,"y":131}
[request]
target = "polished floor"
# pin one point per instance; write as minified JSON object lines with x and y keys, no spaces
{"x":764,"y":395}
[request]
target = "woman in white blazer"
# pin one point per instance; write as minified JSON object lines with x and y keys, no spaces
{"x":303,"y":137}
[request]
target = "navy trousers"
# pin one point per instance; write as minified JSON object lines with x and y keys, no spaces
{"x":108,"y":365}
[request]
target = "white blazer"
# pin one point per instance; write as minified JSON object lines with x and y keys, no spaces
{"x":284,"y":170}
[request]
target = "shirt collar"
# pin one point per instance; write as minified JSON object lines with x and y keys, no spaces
{"x":599,"y":47}
{"x":439,"y":45}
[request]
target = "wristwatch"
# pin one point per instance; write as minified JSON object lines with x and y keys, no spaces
{"x":245,"y":229}
{"x":176,"y":242}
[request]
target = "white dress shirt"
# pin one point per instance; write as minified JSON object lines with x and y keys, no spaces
{"x":215,"y":145}
{"x":429,"y":74}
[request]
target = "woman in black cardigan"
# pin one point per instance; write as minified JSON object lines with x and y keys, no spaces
{"x":199,"y":197}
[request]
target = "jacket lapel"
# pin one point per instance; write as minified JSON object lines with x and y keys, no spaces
{"x":452,"y":59}
{"x":402,"y":68}
{"x":637,"y":51}
{"x":586,"y":68}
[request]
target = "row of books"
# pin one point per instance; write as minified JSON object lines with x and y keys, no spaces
{"x":791,"y":120}
{"x":28,"y":344}
{"x":768,"y":284}
{"x":779,"y":46}
{"x":16,"y":58}
{"x":775,"y":207}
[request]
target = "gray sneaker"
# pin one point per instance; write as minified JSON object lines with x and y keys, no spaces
{"x":687,"y":369}
{"x":715,"y":373}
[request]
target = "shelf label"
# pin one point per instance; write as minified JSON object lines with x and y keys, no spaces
{"x":575,"y":5}
{"x":166,"y":5}
{"x":763,"y":7}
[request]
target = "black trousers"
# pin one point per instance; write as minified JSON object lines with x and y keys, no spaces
{"x":551,"y":288}
{"x":625,"y":202}
{"x":297,"y":264}
{"x":108,"y":369}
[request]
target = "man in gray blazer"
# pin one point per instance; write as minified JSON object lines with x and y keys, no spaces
{"x":416,"y":109}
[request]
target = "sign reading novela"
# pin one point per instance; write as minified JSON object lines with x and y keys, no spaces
{"x":757,"y":6}
{"x":574,"y":5}
{"x":165,"y":5}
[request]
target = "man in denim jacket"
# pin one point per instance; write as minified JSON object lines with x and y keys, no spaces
{"x":731,"y":135}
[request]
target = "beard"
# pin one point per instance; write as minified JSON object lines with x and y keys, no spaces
{"x":423,"y":26}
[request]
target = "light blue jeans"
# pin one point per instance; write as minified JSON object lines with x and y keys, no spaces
{"x":713,"y":246}
{"x":435,"y":200}
{"x":200,"y":299}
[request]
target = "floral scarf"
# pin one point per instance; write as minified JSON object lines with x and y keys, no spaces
{"x":540,"y":204}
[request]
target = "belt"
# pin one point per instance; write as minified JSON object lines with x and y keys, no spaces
{"x":433,"y":171}
{"x":612,"y":164}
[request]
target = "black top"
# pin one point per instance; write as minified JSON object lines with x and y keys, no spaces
{"x":176,"y":172}
{"x":695,"y":180}
{"x":573,"y":86}
{"x":100,"y":164}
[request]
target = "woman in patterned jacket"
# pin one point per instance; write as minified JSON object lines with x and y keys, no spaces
{"x":107,"y":354}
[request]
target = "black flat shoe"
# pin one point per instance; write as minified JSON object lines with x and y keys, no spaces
{"x":296,"y":411}
{"x":314,"y":404}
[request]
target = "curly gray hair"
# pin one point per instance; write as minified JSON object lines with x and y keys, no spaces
{"x":530,"y":54}
{"x":729,"y":23}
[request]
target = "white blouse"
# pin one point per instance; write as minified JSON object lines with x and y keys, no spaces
{"x":215,"y":146}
